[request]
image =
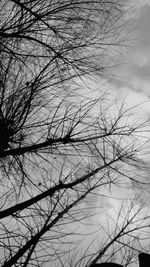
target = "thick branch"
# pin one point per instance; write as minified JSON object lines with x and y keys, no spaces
{"x":51,"y":191}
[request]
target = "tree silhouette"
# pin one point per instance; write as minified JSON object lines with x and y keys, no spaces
{"x":55,"y":150}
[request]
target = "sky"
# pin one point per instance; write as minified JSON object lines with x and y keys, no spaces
{"x":134,"y":72}
{"x":131,"y":84}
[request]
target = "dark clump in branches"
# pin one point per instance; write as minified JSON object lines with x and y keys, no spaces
{"x":6,"y":133}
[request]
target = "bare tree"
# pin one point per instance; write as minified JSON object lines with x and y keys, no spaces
{"x":55,"y":150}
{"x":123,"y":242}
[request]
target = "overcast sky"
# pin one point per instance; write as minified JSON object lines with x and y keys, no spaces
{"x":132,"y":84}
{"x":134,"y":73}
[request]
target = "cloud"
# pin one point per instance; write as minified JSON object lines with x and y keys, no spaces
{"x":143,"y":23}
{"x":133,"y":71}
